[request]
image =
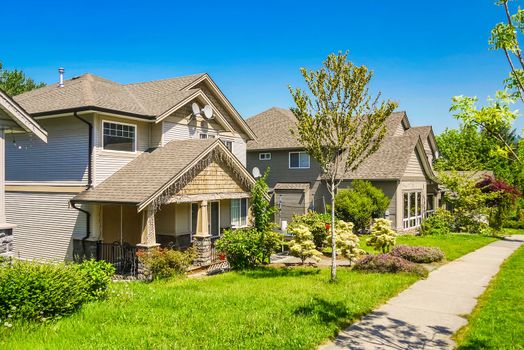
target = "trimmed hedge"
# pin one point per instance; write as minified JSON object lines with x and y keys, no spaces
{"x":387,"y":263}
{"x":418,"y":254}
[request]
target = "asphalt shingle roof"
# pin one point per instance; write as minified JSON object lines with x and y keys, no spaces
{"x":148,"y":99}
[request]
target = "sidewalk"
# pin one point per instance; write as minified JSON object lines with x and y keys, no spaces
{"x":426,"y":315}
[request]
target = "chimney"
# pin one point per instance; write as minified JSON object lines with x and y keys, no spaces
{"x":61,"y":74}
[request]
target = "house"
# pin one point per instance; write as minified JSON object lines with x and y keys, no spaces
{"x":401,"y":168}
{"x":14,"y":121}
{"x":144,"y":164}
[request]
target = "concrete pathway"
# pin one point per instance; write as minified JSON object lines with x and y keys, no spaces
{"x":426,"y":315}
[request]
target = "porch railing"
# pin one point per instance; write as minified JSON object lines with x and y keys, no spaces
{"x":121,"y":255}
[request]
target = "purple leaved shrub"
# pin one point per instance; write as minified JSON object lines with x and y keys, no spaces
{"x":418,"y":254}
{"x":387,"y":263}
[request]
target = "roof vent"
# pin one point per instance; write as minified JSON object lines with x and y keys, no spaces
{"x":61,"y":77}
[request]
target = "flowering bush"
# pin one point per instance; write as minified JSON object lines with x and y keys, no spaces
{"x":383,"y":238}
{"x":504,"y":197}
{"x":347,"y":241}
{"x":418,"y":254}
{"x":165,"y":263}
{"x":302,"y":245}
{"x":316,"y":222}
{"x":440,"y":223}
{"x":387,"y":263}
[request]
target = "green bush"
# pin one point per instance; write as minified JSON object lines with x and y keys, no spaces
{"x":383,"y":238}
{"x":247,"y":248}
{"x":302,"y":245}
{"x":440,"y":223}
{"x":347,"y":242}
{"x":35,"y":291}
{"x":97,"y":275}
{"x":360,"y":204}
{"x":166,"y":263}
{"x":316,"y":222}
{"x":519,"y":225}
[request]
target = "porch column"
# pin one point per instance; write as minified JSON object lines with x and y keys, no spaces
{"x":148,"y":238}
{"x":202,"y":236}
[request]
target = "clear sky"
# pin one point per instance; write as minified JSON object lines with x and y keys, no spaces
{"x":422,"y":52}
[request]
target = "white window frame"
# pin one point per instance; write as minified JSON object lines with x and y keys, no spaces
{"x":205,"y":136}
{"x":239,"y":224}
{"x":299,"y":167}
{"x":231,"y":142}
{"x":121,"y":123}
{"x":415,"y":220}
{"x":264,"y":156}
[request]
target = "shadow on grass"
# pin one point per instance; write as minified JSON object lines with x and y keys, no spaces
{"x":326,"y":311}
{"x":270,"y":272}
{"x":475,"y":344}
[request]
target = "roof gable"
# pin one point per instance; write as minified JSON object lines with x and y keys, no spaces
{"x":13,"y":117}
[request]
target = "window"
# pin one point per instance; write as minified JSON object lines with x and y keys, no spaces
{"x":412,"y":209}
{"x":264,"y":156}
{"x":430,"y":205}
{"x":119,"y":137}
{"x":206,"y":136}
{"x":239,"y":212}
{"x":228,"y":144}
{"x":298,"y":160}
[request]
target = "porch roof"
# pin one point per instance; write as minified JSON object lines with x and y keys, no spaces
{"x":152,"y":173}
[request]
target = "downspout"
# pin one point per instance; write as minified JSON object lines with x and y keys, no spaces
{"x":89,"y":176}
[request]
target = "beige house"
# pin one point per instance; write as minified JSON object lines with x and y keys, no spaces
{"x":14,"y":120}
{"x":141,"y":165}
{"x":401,"y":168}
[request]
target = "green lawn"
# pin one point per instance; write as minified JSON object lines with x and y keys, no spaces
{"x":498,"y":320}
{"x":453,"y":245}
{"x":513,"y":231}
{"x":265,"y":309}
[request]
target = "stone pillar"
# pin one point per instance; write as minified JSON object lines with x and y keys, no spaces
{"x":147,"y":242}
{"x":202,"y":237}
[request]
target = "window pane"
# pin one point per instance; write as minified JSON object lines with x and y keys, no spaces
{"x":294,"y":160}
{"x":243,"y":211}
{"x":194,"y":217}
{"x":412,"y":204}
{"x":235,"y":212}
{"x":419,"y":203}
{"x":116,"y":139}
{"x":406,"y":205}
{"x":304,"y":160}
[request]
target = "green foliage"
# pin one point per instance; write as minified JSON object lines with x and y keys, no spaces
{"x":15,"y":82}
{"x":360,"y":204}
{"x":302,"y":245}
{"x":383,"y":237}
{"x":97,"y":275}
{"x":316,"y":222}
{"x":514,"y":224}
{"x":247,"y":248}
{"x":347,"y":241}
{"x":440,"y":223}
{"x":166,"y":263}
{"x":260,"y":207}
{"x":38,"y":291}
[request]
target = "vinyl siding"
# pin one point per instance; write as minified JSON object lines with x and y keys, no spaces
{"x":239,"y":150}
{"x":414,"y":167}
{"x":45,"y":224}
{"x":109,"y":162}
{"x":63,"y":159}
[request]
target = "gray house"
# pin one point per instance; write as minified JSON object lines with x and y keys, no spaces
{"x":151,"y":163}
{"x":401,"y":167}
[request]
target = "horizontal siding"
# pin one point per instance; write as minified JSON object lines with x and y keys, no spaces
{"x":108,"y":164}
{"x":239,"y":150}
{"x":45,"y":224}
{"x":63,"y":158}
{"x":176,"y":131}
{"x":414,"y":167}
{"x":291,"y":202}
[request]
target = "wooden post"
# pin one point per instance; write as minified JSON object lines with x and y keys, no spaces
{"x":148,"y":238}
{"x":202,"y":236}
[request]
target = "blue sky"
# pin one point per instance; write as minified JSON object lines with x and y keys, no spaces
{"x":422,"y":52}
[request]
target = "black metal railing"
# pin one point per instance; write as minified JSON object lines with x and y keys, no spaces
{"x":121,"y":255}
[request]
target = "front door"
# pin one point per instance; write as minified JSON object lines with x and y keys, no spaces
{"x":214,"y":218}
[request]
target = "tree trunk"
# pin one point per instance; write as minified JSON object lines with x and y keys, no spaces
{"x":333,"y":237}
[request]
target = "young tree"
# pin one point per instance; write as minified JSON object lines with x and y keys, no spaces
{"x":15,"y":82}
{"x":339,"y":123}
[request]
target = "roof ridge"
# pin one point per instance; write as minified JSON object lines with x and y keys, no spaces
{"x":197,"y":75}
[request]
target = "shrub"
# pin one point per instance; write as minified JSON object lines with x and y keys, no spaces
{"x":97,"y":275}
{"x":387,"y":263}
{"x":440,"y":223}
{"x":418,"y":254}
{"x":519,"y":225}
{"x":247,"y":248}
{"x":260,"y":206}
{"x":302,"y":245}
{"x":35,"y":291}
{"x":360,"y":204}
{"x":383,"y":238}
{"x":316,"y":222}
{"x":347,"y":241}
{"x":166,"y":263}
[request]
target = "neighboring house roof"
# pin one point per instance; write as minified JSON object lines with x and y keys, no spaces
{"x":292,"y":186}
{"x":15,"y":118}
{"x":152,"y":100}
{"x":146,"y":177}
{"x":389,"y":162}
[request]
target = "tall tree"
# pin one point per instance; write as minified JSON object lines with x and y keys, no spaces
{"x":15,"y":82}
{"x":339,"y":123}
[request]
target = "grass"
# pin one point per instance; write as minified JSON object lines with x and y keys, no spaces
{"x":453,"y":245}
{"x":262,"y":309}
{"x":512,"y":231}
{"x":498,"y":319}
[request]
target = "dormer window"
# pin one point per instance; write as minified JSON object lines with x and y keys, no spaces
{"x":119,"y":137}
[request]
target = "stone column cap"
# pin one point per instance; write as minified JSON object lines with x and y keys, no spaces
{"x":144,"y":245}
